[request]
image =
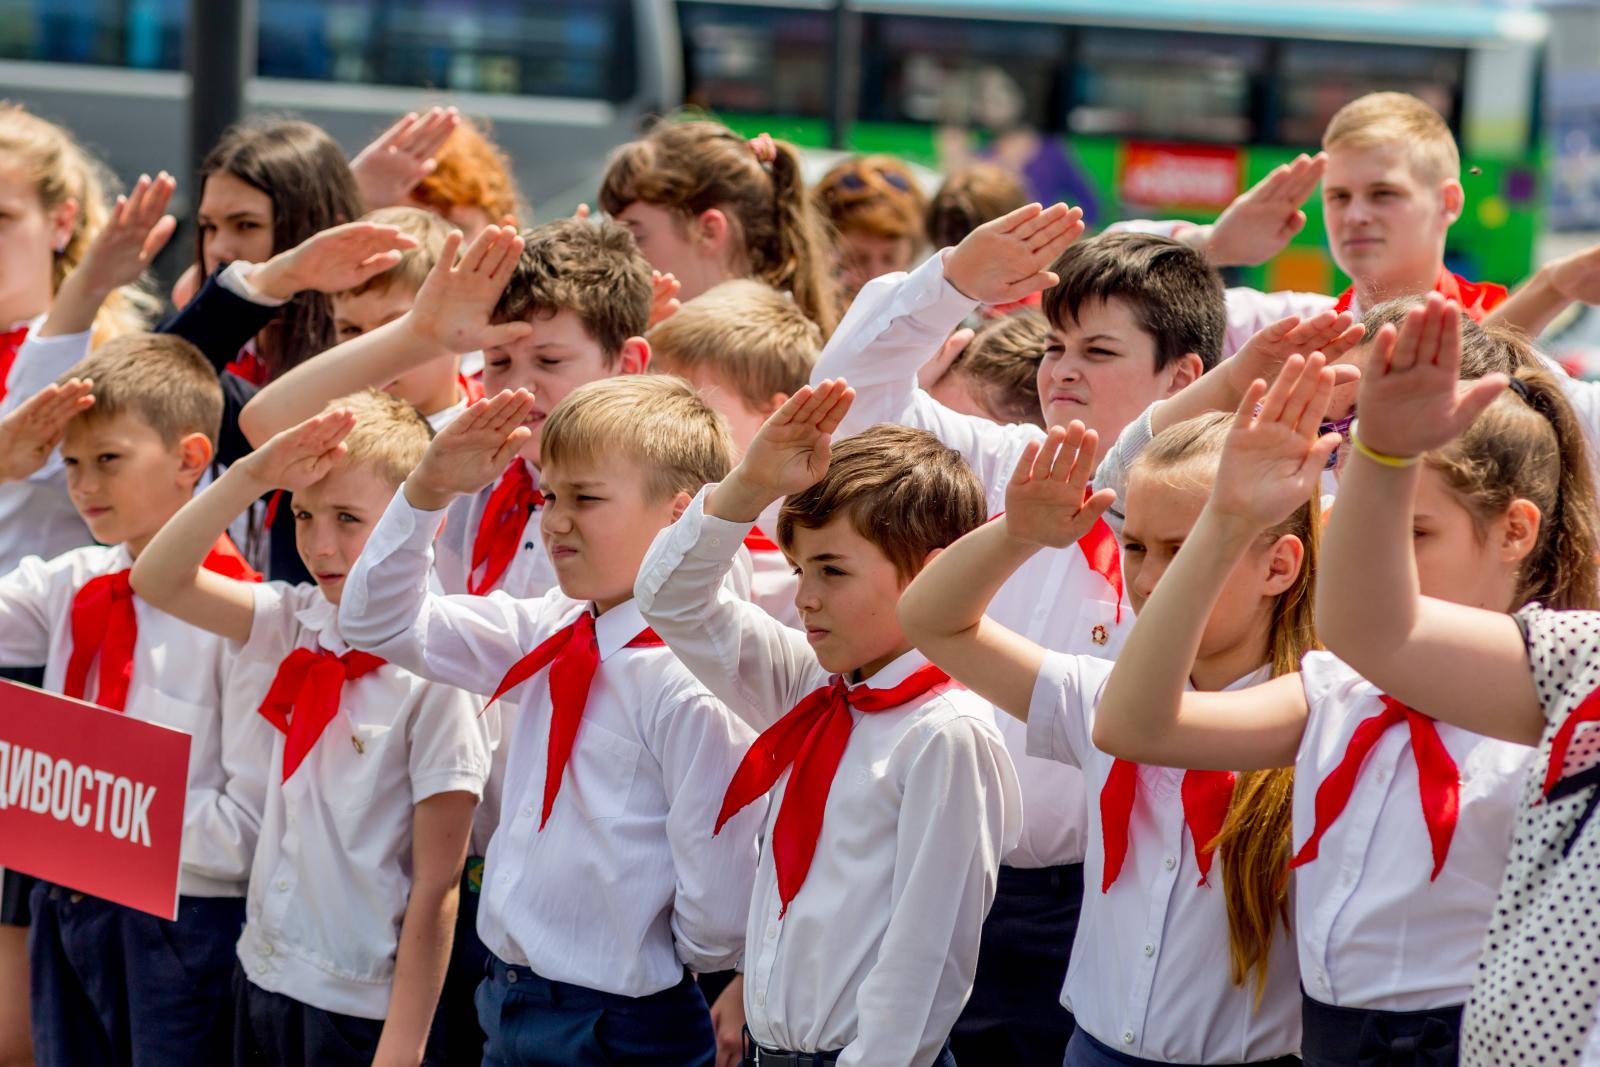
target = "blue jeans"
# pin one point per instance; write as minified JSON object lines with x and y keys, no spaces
{"x":118,"y":987}
{"x":533,"y":1022}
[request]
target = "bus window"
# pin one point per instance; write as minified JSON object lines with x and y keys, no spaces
{"x":759,"y":60}
{"x":1179,"y":86}
{"x":569,"y":48}
{"x":1317,"y":78}
{"x":146,"y":34}
{"x":960,"y":72}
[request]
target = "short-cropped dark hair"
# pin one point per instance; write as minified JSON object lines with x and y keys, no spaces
{"x":1176,"y":296}
{"x":904,"y":490}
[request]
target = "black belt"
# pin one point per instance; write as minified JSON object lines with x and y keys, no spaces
{"x":758,"y":1055}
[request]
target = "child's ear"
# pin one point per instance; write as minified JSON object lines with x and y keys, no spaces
{"x":194,"y":456}
{"x":1183,"y":372}
{"x":634,"y":356}
{"x":1455,"y":199}
{"x":1520,"y":530}
{"x":680,"y":504}
{"x":61,"y":221}
{"x":711,"y":233}
{"x":1284,"y":560}
{"x":774,"y":402}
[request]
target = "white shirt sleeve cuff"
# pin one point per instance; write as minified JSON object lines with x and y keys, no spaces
{"x":235,"y":278}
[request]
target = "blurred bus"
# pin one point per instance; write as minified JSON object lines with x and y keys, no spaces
{"x":1163,"y":108}
{"x":562,"y":81}
{"x":1128,"y":107}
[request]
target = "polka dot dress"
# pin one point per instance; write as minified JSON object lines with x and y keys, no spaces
{"x":1537,"y":987}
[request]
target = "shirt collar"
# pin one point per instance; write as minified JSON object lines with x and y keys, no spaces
{"x":322,"y":618}
{"x":896,"y":671}
{"x":617,"y":627}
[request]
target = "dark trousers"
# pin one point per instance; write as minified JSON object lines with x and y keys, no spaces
{"x":457,"y":1038}
{"x":1014,"y":1016}
{"x":1085,"y":1051}
{"x":534,"y":1022}
{"x":1335,"y":1037}
{"x":279,"y":1031}
{"x":114,"y":986}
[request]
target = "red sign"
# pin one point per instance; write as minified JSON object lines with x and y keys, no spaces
{"x":91,"y":799}
{"x":1179,"y":175}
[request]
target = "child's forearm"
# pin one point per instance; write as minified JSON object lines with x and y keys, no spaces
{"x":737,"y":499}
{"x":169,"y":575}
{"x":954,"y":589}
{"x":74,"y":309}
{"x":439,"y":850}
{"x":1367,"y":586}
{"x":367,"y":362}
{"x":426,"y":936}
{"x":1143,"y":698}
{"x":1532,"y":307}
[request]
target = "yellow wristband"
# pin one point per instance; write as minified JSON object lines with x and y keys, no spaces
{"x":1381,"y":458}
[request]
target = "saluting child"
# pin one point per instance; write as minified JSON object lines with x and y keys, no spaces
{"x":373,"y":772}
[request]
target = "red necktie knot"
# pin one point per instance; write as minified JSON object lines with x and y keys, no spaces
{"x":811,"y":738}
{"x":105,"y":628}
{"x":505,"y":516}
{"x":305,"y":695}
{"x":1438,"y":780}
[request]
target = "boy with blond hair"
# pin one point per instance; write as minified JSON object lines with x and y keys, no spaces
{"x":885,"y":832}
{"x":111,"y":984}
{"x":373,"y":773}
{"x":552,"y":309}
{"x":1391,"y":189}
{"x":602,"y":882}
{"x":747,"y":348}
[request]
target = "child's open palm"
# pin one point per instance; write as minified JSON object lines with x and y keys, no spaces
{"x":1009,"y":257}
{"x":303,"y":454}
{"x":137,"y":231}
{"x":456,"y":301}
{"x":333,"y":260}
{"x":388,"y":169}
{"x":1412,"y":398}
{"x":1262,"y":219}
{"x":790,"y":452}
{"x":473,"y":450}
{"x":31,"y":432}
{"x":1334,"y":334}
{"x":1274,"y":456}
{"x":1048,"y":500}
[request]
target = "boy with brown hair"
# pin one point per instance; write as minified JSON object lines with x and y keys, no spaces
{"x":552,"y":309}
{"x":856,"y":953}
{"x":110,"y":984}
{"x":747,"y":348}
{"x":602,"y":882}
{"x":373,"y":772}
{"x":1134,"y":318}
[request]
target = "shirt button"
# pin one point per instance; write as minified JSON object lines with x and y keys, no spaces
{"x":772,"y":933}
{"x":1127,"y":1037}
{"x":265,"y":948}
{"x":1382,"y":776}
{"x":283,"y":885}
{"x":714,"y":542}
{"x":761,"y":998}
{"x":1149,"y":949}
{"x":1171,"y":862}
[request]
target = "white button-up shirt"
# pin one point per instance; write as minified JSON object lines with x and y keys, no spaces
{"x":1373,"y":930}
{"x":1149,"y":972}
{"x":894,"y":326}
{"x":178,"y":680}
{"x":36,"y":515}
{"x":877,"y":951}
{"x":332,"y":874}
{"x":625,"y":885}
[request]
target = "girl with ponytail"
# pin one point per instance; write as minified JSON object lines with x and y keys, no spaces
{"x":1405,"y":791}
{"x":1184,"y":870}
{"x":707,"y":205}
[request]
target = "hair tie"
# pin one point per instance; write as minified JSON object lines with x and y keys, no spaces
{"x":763,"y":148}
{"x":1520,"y":387}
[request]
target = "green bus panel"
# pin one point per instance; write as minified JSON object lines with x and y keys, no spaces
{"x":1494,"y":239}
